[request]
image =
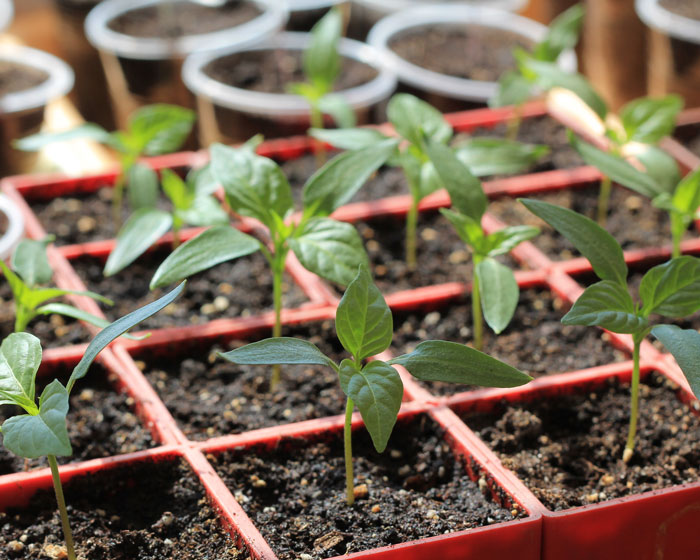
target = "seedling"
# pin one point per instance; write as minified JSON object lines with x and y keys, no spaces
{"x":417,"y":124}
{"x":670,"y":290}
{"x":152,"y":130}
{"x":42,"y":431}
{"x":364,"y":325}
{"x":256,"y":187}
{"x":193,"y":204}
{"x":495,"y":291}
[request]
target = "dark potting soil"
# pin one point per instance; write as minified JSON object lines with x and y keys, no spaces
{"x":568,"y":449}
{"x":271,"y":71}
{"x":238,"y":288}
{"x":144,"y":511}
{"x":687,"y":8}
{"x":416,"y":489}
{"x":179,"y":19}
{"x":466,"y":51}
{"x":209,"y":396}
{"x":16,"y":77}
{"x":535,"y":341}
{"x":689,"y":136}
{"x":100,"y":423}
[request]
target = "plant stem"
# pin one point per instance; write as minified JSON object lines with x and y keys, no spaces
{"x":514,"y":123}
{"x":277,"y":272}
{"x":411,"y":226}
{"x":634,"y":402}
{"x":477,"y":313}
{"x":347,"y":433}
{"x":58,"y":488}
{"x":604,"y":200}
{"x":678,"y":227}
{"x":177,"y":224}
{"x":117,"y":199}
{"x":316,"y":118}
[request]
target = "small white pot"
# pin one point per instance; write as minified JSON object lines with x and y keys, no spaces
{"x":15,"y":227}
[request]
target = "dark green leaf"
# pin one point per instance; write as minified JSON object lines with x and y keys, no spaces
{"x":20,"y":358}
{"x":673,"y":288}
{"x":562,"y":34}
{"x":495,"y":156}
{"x":142,"y":187}
{"x":321,"y":59}
{"x":202,"y":181}
{"x":468,"y":230}
{"x":281,"y":350}
{"x":505,"y":240}
{"x":660,"y":166}
{"x":204,"y":211}
{"x":70,"y":311}
{"x":87,"y":131}
{"x":159,"y":129}
{"x":684,"y":344}
{"x":513,"y":89}
{"x":648,"y":120}
{"x":349,"y":138}
{"x":499,"y":293}
{"x":606,"y":304}
{"x":341,"y":111}
{"x":30,"y":262}
{"x":417,"y":121}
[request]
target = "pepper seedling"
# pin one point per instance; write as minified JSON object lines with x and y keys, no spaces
{"x":671,"y":290}
{"x":42,"y":431}
{"x":150,"y":131}
{"x":495,"y":292}
{"x":256,"y":187}
{"x":417,"y":123}
{"x":364,"y":326}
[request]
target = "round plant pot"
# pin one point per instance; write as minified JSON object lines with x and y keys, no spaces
{"x":7,"y":11}
{"x":44,"y":77}
{"x":233,"y":114}
{"x":12,"y":220}
{"x":141,"y":70}
{"x":450,"y":92}
{"x":674,"y":51}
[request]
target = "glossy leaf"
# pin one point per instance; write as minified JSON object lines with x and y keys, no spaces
{"x":86,"y":131}
{"x":321,"y":60}
{"x":143,"y":187}
{"x":495,"y":156}
{"x":30,"y":262}
{"x":349,"y":138}
{"x":660,"y":166}
{"x":337,"y":107}
{"x":684,"y":345}
{"x":20,"y":358}
{"x":416,"y":121}
{"x":562,"y":33}
{"x":672,"y":289}
{"x":648,"y":120}
{"x":204,"y":211}
{"x":280,"y":350}
{"x":75,"y":313}
{"x":159,"y":128}
{"x":499,"y":293}
{"x":606,"y":304}
{"x":686,"y":197}
{"x":505,"y":240}
{"x":513,"y":89}
{"x":468,"y":230}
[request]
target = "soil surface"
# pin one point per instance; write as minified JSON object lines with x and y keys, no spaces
{"x":149,"y":511}
{"x":271,"y":71}
{"x":101,"y":423}
{"x":416,"y":489}
{"x":209,"y":396}
{"x":238,"y":288}
{"x":179,"y":19}
{"x":687,"y":8}
{"x":466,"y":51}
{"x":689,"y":136}
{"x":568,"y":449}
{"x":16,"y":77}
{"x":535,"y":341}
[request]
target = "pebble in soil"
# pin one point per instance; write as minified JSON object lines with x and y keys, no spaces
{"x":295,"y":494}
{"x":568,"y":448}
{"x":101,"y":422}
{"x":144,"y":511}
{"x":209,"y":396}
{"x":535,"y":341}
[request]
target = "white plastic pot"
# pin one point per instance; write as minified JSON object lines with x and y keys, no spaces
{"x":452,"y":87}
{"x":273,"y":114}
{"x":15,"y":226}
{"x":7,"y":11}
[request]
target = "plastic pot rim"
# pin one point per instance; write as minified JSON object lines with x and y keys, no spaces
{"x":451,"y":14}
{"x":273,"y":17}
{"x":391,"y":6}
{"x":7,"y":12}
{"x":15,"y":226}
{"x":59,"y":82}
{"x":675,"y":25}
{"x":285,"y":104}
{"x":302,"y":5}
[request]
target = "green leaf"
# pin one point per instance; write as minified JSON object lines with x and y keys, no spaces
{"x":255,"y":186}
{"x":661,"y":167}
{"x":341,"y":111}
{"x":608,"y":305}
{"x":363,"y":320}
{"x":648,"y":120}
{"x":672,"y":289}
{"x":505,"y":240}
{"x":202,"y":181}
{"x":321,"y":60}
{"x":18,"y":287}
{"x":20,"y":358}
{"x":562,"y":34}
{"x":439,"y":360}
{"x":30,"y":262}
{"x":377,"y":391}
{"x":181,"y":194}
{"x":211,"y":247}
{"x":349,"y":138}
{"x":495,"y":156}
{"x":329,"y":248}
{"x":70,"y":311}
{"x":684,"y":344}
{"x":142,"y":187}
{"x":499,"y":293}
{"x":87,"y":131}
{"x":468,"y":230}
{"x":143,"y":228}
{"x":281,"y":350}
{"x":513,"y":89}
{"x":204,"y":211}
{"x":32,"y":298}
{"x":686,"y":197}
{"x":465,"y":190}
{"x":417,"y":121}
{"x":119,"y":327}
{"x":159,"y":129}
{"x":592,"y":241}
{"x":33,"y":436}
{"x":339,"y":179}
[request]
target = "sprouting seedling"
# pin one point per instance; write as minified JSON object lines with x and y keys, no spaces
{"x":42,"y":431}
{"x":193,"y":204}
{"x":256,"y":187}
{"x":152,"y":130}
{"x":671,"y":290}
{"x":495,"y":291}
{"x":364,"y":325}
{"x":418,"y":123}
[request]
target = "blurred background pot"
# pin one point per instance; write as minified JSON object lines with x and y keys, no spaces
{"x":7,"y":10}
{"x":231,"y":113}
{"x":11,"y":226}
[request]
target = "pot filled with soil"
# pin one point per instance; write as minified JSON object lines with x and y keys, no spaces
{"x":453,"y":56}
{"x":242,"y":91}
{"x":142,"y":44}
{"x":29,"y":79}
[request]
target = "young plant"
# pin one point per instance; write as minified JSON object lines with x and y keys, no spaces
{"x":417,"y":124}
{"x":256,"y":187}
{"x":152,"y":130}
{"x":364,"y":325}
{"x":495,"y":292}
{"x":42,"y":431}
{"x":193,"y":204}
{"x":671,"y":290}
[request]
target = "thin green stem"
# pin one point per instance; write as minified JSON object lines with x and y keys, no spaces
{"x":514,"y":123}
{"x":117,"y":199}
{"x":477,"y":317}
{"x":316,"y":118}
{"x":678,"y":227}
{"x":604,"y":200}
{"x":177,"y":225}
{"x":67,"y":533}
{"x":277,"y":273}
{"x":634,"y":401}
{"x":347,"y":433}
{"x":411,"y":233}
